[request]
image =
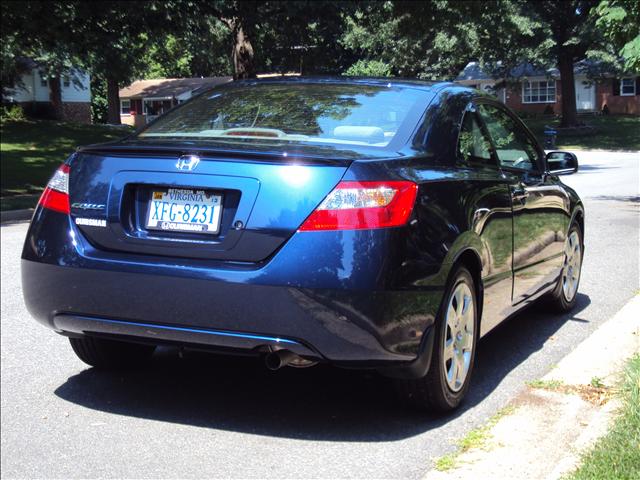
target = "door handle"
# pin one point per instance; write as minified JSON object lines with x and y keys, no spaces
{"x":520,"y":193}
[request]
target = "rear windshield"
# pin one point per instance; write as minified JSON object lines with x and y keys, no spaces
{"x":313,"y":113}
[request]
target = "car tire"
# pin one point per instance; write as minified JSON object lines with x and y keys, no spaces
{"x":441,"y":389}
{"x":110,"y":354}
{"x":564,"y":296}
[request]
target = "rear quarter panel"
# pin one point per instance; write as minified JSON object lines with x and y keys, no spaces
{"x":458,"y":209}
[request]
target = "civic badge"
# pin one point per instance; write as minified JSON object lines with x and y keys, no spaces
{"x":188,"y":162}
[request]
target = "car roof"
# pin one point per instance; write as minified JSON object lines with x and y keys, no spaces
{"x":380,"y":81}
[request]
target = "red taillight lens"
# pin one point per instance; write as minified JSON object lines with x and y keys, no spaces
{"x":56,"y":194}
{"x":364,"y":205}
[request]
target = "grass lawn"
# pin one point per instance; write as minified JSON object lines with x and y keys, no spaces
{"x":32,"y":150}
{"x":617,"y":454}
{"x":613,"y":132}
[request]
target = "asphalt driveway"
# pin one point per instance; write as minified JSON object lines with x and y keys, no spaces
{"x":204,"y":416}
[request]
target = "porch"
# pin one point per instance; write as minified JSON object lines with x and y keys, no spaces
{"x":145,"y":100}
{"x":140,"y":111}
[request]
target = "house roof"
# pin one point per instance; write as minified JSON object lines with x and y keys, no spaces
{"x":474,"y":72}
{"x":169,"y":87}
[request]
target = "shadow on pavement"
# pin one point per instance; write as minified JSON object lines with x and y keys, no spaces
{"x":618,"y":198}
{"x":594,"y":167}
{"x":319,"y":403}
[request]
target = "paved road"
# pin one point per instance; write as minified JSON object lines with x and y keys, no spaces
{"x":209,"y":417}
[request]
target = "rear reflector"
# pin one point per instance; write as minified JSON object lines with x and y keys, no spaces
{"x":364,"y":205}
{"x":56,"y":195}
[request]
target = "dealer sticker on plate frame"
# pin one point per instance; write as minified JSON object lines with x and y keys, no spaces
{"x":184,"y":210}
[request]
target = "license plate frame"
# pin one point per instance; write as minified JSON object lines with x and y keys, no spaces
{"x":166,"y":210}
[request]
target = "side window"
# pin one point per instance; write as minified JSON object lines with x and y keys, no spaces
{"x":473,"y":145}
{"x":513,"y":146}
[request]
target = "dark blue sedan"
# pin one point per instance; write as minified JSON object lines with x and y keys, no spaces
{"x":370,"y":224}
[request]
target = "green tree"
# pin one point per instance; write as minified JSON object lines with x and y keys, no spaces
{"x":546,"y":34}
{"x":107,"y":37}
{"x":281,"y":36}
{"x":571,"y":33}
{"x":430,"y":40}
{"x":199,"y":50}
{"x":619,"y":21}
{"x":437,"y":39}
{"x":112,"y":38}
{"x":302,"y":36}
{"x":36,"y":30}
{"x":368,"y":68}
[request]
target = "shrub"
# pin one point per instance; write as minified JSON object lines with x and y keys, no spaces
{"x":11,"y":111}
{"x":368,"y":68}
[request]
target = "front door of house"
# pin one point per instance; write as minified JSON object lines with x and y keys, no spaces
{"x":585,"y":96}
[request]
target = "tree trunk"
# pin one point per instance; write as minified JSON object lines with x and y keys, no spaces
{"x":55,"y":97}
{"x":113,"y":101}
{"x":569,"y":110}
{"x":242,"y":53}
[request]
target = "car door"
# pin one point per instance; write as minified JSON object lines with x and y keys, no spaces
{"x":540,"y":207}
{"x":488,"y":199}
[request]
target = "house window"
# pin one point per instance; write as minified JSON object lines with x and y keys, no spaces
{"x":627,"y":87}
{"x":125,"y":107}
{"x":66,"y":81}
{"x":543,"y":91}
{"x":43,"y":80}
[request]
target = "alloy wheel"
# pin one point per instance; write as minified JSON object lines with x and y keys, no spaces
{"x":459,"y":335}
{"x":571,"y":267}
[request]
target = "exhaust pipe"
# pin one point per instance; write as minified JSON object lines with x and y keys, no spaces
{"x":282,"y":358}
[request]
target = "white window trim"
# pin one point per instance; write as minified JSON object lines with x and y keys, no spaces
{"x":121,"y":104}
{"x":633,"y":83}
{"x":555,"y":96}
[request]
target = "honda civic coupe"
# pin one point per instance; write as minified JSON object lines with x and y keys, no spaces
{"x":368,"y":224}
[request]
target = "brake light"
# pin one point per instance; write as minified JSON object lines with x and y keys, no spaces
{"x":56,"y":195}
{"x":364,"y":205}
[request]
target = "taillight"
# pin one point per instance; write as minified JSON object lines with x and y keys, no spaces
{"x":364,"y":205}
{"x":56,"y":195}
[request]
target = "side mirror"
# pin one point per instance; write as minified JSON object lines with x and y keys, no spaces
{"x":562,"y":163}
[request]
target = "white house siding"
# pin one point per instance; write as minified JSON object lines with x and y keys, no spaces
{"x":72,"y":93}
{"x":36,"y":98}
{"x":42,"y":92}
{"x":24,"y":92}
{"x":77,"y":93}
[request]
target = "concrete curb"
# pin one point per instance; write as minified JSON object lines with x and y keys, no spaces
{"x":11,"y":216}
{"x":604,"y":353}
{"x":549,"y":429}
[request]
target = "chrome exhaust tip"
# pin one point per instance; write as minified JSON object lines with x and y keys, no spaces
{"x":283,"y":358}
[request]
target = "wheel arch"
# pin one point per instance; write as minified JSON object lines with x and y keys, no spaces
{"x":470,"y":259}
{"x":578,"y":217}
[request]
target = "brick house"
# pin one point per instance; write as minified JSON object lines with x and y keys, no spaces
{"x":144,"y":100}
{"x":33,"y":93}
{"x":539,"y":91}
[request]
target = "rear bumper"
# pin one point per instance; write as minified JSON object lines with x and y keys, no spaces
{"x":291,"y":302}
{"x":156,"y":333}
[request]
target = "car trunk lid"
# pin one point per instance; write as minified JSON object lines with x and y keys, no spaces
{"x":264,"y":198}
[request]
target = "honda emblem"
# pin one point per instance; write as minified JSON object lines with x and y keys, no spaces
{"x":188,"y":162}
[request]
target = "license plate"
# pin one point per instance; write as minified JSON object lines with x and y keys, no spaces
{"x":184,"y":210}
